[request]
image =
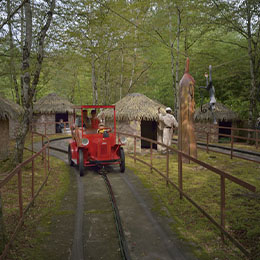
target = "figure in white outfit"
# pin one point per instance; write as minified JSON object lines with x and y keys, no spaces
{"x":169,"y":123}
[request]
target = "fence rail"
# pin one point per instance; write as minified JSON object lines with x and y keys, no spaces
{"x":223,"y":176}
{"x":44,"y":152}
{"x":232,"y":138}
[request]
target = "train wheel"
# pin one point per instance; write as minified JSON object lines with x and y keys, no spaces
{"x":81,"y":162}
{"x":122,"y":157}
{"x":71,"y":163}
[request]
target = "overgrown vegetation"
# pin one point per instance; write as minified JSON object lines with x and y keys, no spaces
{"x":27,"y":244}
{"x":203,"y":186}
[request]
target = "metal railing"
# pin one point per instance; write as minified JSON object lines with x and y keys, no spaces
{"x":232,"y":138}
{"x":18,"y":171}
{"x":179,"y":186}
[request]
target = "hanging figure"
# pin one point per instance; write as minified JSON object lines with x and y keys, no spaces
{"x":211,"y":90}
{"x":186,"y":131}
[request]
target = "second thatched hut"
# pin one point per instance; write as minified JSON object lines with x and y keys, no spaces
{"x":138,"y":115}
{"x":49,"y":110}
{"x":224,"y":116}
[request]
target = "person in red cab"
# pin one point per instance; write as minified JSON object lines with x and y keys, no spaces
{"x":94,"y":120}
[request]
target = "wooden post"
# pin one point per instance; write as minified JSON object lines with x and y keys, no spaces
{"x":256,"y":139}
{"x":151,"y":156}
{"x":2,"y":230}
{"x":49,"y":157}
{"x":232,"y":144}
{"x":45,"y":164}
{"x":32,"y":169}
{"x":180,"y":172}
{"x":42,"y":147}
{"x":20,"y":193}
{"x":222,"y":204}
{"x":207,"y":142}
{"x":45,"y":131}
{"x":135,"y":149}
{"x":167,"y":166}
{"x":32,"y":141}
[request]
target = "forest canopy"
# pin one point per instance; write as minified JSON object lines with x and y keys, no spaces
{"x":96,"y":52}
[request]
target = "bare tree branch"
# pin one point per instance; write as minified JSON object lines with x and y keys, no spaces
{"x":140,"y":75}
{"x":13,"y":13}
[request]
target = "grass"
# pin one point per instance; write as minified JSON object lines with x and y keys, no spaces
{"x":203,"y":186}
{"x":45,"y":205}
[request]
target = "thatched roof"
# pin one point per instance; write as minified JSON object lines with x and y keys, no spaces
{"x":222,"y":113}
{"x":9,"y":109}
{"x":52,"y":103}
{"x":135,"y":106}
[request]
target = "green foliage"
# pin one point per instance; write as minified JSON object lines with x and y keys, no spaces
{"x":133,"y":45}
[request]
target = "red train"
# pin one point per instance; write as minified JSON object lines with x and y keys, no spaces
{"x":93,"y":143}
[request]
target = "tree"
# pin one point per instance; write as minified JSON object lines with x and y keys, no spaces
{"x":243,"y":17}
{"x":28,"y":84}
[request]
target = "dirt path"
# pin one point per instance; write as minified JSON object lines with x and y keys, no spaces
{"x":87,"y":229}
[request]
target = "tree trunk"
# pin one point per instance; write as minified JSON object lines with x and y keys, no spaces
{"x":177,"y":102}
{"x":121,"y":76}
{"x":172,"y":64}
{"x":133,"y":66}
{"x":28,"y":89}
{"x":94,"y":83}
{"x":252,"y":94}
{"x":25,"y":86}
{"x":13,"y":78}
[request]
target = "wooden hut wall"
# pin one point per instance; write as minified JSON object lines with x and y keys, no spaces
{"x":49,"y":119}
{"x":201,"y":128}
{"x":130,"y":127}
{"x":4,"y":137}
{"x":41,"y":119}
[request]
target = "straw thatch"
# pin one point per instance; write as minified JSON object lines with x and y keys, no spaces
{"x":52,"y":103}
{"x":222,"y":113}
{"x":9,"y":109}
{"x":135,"y":106}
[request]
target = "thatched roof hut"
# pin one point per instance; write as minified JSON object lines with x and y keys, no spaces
{"x":222,"y":113}
{"x":135,"y":106}
{"x":49,"y":110}
{"x":9,"y":115}
{"x":137,"y":114}
{"x":224,"y":116}
{"x":53,"y":103}
{"x":9,"y":109}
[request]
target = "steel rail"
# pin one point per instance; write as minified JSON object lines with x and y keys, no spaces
{"x":121,"y":236}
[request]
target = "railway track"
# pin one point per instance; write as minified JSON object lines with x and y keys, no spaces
{"x":78,"y":248}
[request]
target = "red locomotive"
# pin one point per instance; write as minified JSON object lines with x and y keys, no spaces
{"x":94,"y":144}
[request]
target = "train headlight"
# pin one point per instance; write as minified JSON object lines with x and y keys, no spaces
{"x":123,"y":140}
{"x":85,"y":141}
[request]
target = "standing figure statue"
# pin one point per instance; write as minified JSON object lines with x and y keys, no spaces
{"x":168,"y":122}
{"x":186,"y":131}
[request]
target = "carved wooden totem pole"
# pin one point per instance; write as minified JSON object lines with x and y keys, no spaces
{"x":186,"y":130}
